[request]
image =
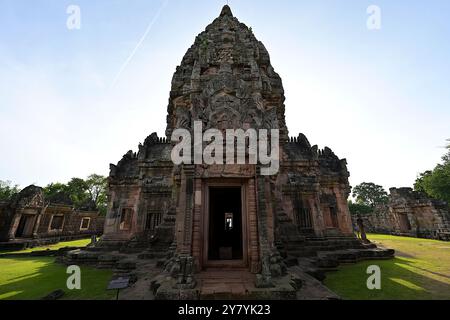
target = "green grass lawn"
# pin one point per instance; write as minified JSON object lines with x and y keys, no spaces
{"x":420,"y":271}
{"x":75,"y":243}
{"x":29,"y":278}
{"x":33,"y":278}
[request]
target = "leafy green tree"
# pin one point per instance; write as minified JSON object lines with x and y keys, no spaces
{"x":436,"y":183}
{"x":358,"y":208}
{"x":446,"y":157}
{"x":421,"y":180}
{"x":96,"y":188}
{"x":102,"y":204}
{"x":369,"y":194}
{"x":7,"y":190}
{"x":53,"y":189}
{"x":89,"y":193}
{"x":78,"y":190}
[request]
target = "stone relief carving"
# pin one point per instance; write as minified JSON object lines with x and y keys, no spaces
{"x":229,"y":171}
{"x":159,"y":181}
{"x":183,"y":118}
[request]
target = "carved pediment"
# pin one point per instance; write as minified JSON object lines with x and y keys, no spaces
{"x":31,"y":196}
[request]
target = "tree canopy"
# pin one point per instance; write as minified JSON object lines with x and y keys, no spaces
{"x":436,"y":183}
{"x":89,"y":194}
{"x":7,"y":190}
{"x":369,"y":194}
{"x":358,"y":208}
{"x":84,"y":194}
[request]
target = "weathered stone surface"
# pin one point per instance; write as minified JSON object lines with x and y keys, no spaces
{"x":126,"y":265}
{"x":410,"y":213}
{"x":27,"y":219}
{"x":158,"y":211}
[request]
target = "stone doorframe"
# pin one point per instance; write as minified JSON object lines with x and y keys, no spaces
{"x":249,"y":224}
{"x":35,"y":212}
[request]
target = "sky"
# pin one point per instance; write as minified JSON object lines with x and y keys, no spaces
{"x":72,"y":101}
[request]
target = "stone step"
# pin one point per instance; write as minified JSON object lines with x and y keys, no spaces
{"x":291,"y":261}
{"x":126,"y":265}
{"x":328,"y":242}
{"x":150,"y":255}
{"x":353,"y":255}
{"x":318,"y":248}
{"x":302,"y":253}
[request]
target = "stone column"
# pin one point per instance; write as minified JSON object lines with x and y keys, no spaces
{"x":37,"y":223}
{"x":264,"y":279}
{"x":198,"y":237}
{"x":253,"y":228}
{"x":317,"y":215}
{"x":183,"y":265}
{"x":187,"y":206}
{"x":14,"y":224}
{"x":345,"y":221}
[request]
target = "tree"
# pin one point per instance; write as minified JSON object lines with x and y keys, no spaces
{"x":87,"y":194}
{"x":358,"y":208}
{"x":421,"y":181}
{"x":7,"y":190}
{"x":78,"y":190}
{"x":369,"y":194}
{"x":96,"y":188}
{"x":53,"y":189}
{"x":446,"y":157}
{"x":436,"y":183}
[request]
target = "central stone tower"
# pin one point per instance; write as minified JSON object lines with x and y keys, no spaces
{"x":227,"y":216}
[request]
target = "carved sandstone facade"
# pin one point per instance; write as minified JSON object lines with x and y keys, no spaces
{"x":206,"y":216}
{"x":30,"y":219}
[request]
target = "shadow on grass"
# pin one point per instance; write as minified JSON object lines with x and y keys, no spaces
{"x":433,"y":272}
{"x":399,"y":253}
{"x":34,"y":278}
{"x":399,"y":281}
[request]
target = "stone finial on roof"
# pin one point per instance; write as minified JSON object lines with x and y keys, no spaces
{"x":226,"y":11}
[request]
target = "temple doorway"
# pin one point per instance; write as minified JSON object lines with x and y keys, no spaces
{"x":25,"y":227}
{"x":225,"y":225}
{"x":405,"y":225}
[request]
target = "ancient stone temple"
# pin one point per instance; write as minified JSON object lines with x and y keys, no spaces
{"x":410,"y":213}
{"x":30,"y":219}
{"x":199,"y":218}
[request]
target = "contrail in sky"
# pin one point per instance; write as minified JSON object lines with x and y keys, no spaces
{"x":147,"y":31}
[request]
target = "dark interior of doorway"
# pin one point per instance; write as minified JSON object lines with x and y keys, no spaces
{"x":225,"y":224}
{"x":20,"y":231}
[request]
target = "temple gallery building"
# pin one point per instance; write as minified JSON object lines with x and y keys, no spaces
{"x":206,"y":217}
{"x":30,"y":219}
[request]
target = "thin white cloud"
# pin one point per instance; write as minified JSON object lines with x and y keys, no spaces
{"x":139,"y":44}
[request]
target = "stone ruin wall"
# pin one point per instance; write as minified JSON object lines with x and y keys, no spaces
{"x":145,"y":184}
{"x":31,"y":202}
{"x":410,"y":213}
